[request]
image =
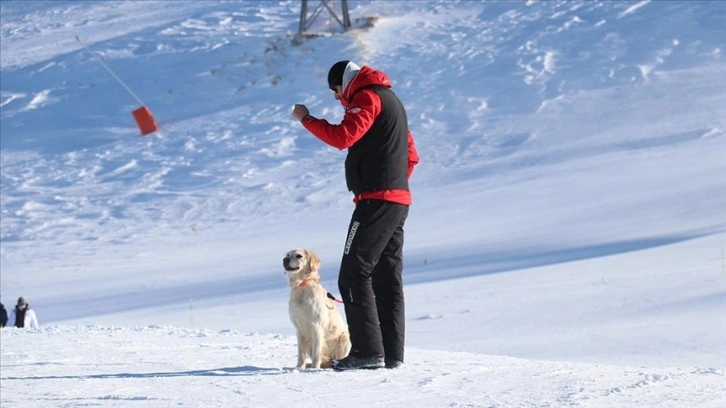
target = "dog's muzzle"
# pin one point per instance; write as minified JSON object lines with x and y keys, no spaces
{"x":286,"y":265}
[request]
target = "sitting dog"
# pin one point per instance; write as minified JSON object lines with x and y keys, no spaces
{"x":321,"y":332}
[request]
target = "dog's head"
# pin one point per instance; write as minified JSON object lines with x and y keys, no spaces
{"x":301,"y":264}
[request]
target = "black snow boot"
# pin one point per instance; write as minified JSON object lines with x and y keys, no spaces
{"x":358,"y":363}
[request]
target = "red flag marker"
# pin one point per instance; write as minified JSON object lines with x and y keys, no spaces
{"x":142,"y":115}
{"x":145,"y":120}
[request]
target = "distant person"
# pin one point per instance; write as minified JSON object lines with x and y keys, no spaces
{"x":380,"y":160}
{"x":24,"y":316}
{"x":3,"y":316}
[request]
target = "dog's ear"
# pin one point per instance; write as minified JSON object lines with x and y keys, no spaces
{"x":313,"y":260}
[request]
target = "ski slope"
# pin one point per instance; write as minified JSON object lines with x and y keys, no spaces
{"x":565,"y":246}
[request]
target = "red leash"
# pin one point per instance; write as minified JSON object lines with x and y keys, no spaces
{"x":310,"y":282}
{"x":330,"y":295}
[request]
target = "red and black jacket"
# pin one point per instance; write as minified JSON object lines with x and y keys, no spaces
{"x":381,"y":150}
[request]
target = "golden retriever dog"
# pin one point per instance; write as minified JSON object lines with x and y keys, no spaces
{"x":322,"y":334}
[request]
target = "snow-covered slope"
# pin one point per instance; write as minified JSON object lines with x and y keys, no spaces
{"x":160,"y":366}
{"x":567,"y":227}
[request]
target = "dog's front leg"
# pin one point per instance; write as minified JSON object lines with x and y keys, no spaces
{"x":318,"y":344}
{"x":301,"y":348}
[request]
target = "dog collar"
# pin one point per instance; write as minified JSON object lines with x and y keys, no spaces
{"x":307,"y":282}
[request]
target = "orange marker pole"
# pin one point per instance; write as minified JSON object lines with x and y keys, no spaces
{"x":144,"y":118}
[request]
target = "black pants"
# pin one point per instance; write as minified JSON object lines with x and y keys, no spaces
{"x":371,"y":282}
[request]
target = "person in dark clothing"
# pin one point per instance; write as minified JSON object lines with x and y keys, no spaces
{"x":381,"y":157}
{"x":3,"y":316}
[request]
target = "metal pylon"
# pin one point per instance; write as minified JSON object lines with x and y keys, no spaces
{"x":306,"y":21}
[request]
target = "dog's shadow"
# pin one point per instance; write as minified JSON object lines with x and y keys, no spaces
{"x":216,"y":372}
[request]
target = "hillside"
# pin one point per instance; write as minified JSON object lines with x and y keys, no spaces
{"x":565,"y":246}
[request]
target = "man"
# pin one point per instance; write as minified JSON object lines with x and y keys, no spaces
{"x":24,"y":316}
{"x":380,"y":160}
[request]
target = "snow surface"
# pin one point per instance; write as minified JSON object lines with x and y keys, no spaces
{"x":566,"y":246}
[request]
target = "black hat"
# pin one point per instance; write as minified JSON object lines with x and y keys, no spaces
{"x":335,"y":75}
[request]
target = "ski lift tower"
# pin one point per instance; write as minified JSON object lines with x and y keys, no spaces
{"x":307,"y":21}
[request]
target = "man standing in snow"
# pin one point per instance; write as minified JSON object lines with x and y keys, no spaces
{"x":380,"y":160}
{"x":24,"y":316}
